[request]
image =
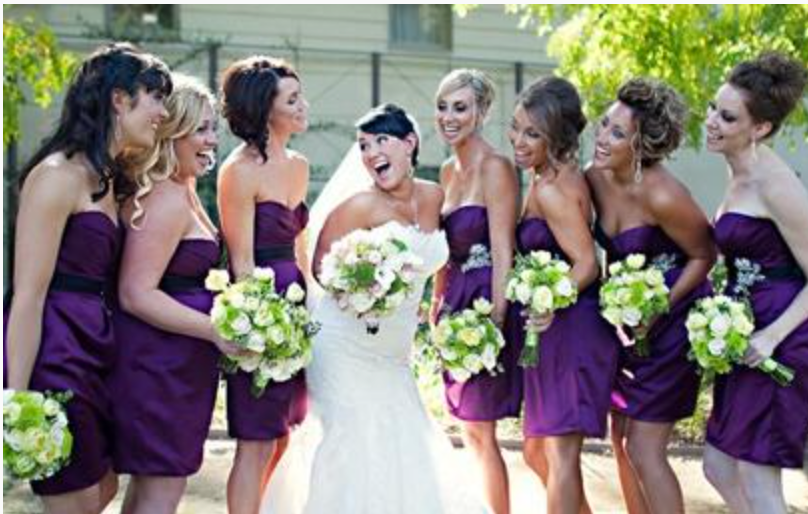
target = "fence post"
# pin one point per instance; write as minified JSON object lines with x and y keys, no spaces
{"x":376,"y":78}
{"x":10,"y":214}
{"x":207,"y":187}
{"x":519,"y":75}
{"x":213,"y":66}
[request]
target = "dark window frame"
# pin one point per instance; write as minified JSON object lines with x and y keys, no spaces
{"x":396,"y":42}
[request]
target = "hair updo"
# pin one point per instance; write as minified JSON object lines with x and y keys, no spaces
{"x":249,"y":88}
{"x":772,"y":85}
{"x":391,"y":119}
{"x":479,"y":83}
{"x":554,"y":106}
{"x":659,"y":113}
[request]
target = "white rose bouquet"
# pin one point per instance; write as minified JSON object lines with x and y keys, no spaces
{"x":370,"y":272}
{"x":275,"y":331}
{"x":36,"y":439}
{"x":468,"y":342}
{"x":718,"y":328}
{"x":634,"y":295}
{"x":543,"y":285}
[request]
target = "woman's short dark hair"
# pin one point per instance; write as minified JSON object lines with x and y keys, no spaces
{"x":772,"y":84}
{"x":659,"y":112}
{"x":390,"y":119}
{"x":249,"y":88}
{"x":554,"y":106}
{"x":86,"y":122}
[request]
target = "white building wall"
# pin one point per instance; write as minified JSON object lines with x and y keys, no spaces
{"x":331,"y":47}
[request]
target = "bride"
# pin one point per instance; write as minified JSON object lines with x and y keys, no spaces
{"x":375,"y":450}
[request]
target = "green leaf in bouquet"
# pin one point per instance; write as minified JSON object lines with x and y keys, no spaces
{"x":363,"y":275}
{"x":228,"y":364}
{"x":258,"y":385}
{"x":401,"y":245}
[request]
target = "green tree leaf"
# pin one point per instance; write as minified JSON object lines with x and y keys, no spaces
{"x":691,"y":47}
{"x":34,"y":69}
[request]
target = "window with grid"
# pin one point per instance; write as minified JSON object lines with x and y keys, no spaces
{"x":421,"y":27}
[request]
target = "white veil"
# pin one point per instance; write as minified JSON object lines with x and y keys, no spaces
{"x":350,"y":178}
{"x":288,"y":488}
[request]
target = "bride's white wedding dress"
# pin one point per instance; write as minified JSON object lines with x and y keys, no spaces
{"x":370,"y":447}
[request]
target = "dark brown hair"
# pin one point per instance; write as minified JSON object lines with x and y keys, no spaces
{"x":659,"y":113}
{"x":86,"y":122}
{"x":553,"y":104}
{"x":249,"y":87}
{"x":772,"y":85}
{"x":393,"y":120}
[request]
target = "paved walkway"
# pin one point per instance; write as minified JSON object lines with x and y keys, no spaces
{"x":206,"y":491}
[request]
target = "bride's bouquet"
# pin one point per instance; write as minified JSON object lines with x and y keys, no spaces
{"x":36,"y":439}
{"x":468,"y":342}
{"x":718,"y":328}
{"x":370,"y":272}
{"x":276,"y":331}
{"x":543,"y":285}
{"x":633,"y":295}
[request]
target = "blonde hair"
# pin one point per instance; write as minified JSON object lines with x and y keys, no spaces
{"x":480,"y":84}
{"x":185,"y":107}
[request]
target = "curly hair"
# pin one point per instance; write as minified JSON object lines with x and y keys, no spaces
{"x":772,"y":84}
{"x":479,"y":82}
{"x":659,"y":112}
{"x":391,"y":119}
{"x":554,"y":106}
{"x":86,"y":122}
{"x":185,"y":106}
{"x":249,"y":88}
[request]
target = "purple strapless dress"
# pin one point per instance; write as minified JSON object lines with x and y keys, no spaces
{"x":753,"y":418}
{"x":77,"y":346}
{"x":164,"y":384}
{"x":483,"y":397}
{"x":569,"y":391}
{"x":283,"y":404}
{"x":664,"y":386}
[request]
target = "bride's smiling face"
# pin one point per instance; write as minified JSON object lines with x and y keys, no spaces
{"x":387,"y":158}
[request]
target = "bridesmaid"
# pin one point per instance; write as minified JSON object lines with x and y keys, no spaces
{"x":168,"y":347}
{"x":262,"y":192}
{"x":644,"y":209}
{"x":479,"y":216}
{"x":58,"y":333}
{"x":567,"y":395}
{"x":758,"y":427}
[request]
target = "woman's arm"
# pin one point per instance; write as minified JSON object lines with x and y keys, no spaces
{"x":787,"y":203}
{"x":51,"y":193}
{"x":501,"y":195}
{"x":683,"y":221}
{"x":439,"y":279}
{"x":146,"y":255}
{"x":571,"y":230}
{"x":301,"y":244}
{"x":593,"y":185}
{"x":354,"y":213}
{"x":236,"y":199}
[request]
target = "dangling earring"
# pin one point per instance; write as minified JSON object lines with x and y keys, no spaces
{"x":635,"y":145}
{"x":754,"y":149}
{"x":117,"y":132}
